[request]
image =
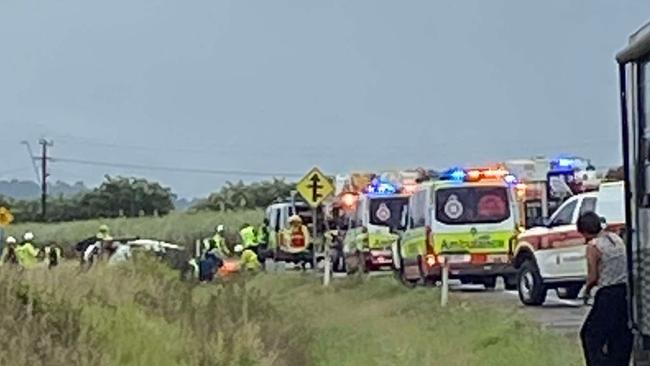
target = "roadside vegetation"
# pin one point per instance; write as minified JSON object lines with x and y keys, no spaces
{"x":180,"y":228}
{"x":377,"y":322}
{"x":141,"y":314}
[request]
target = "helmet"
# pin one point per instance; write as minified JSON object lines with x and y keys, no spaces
{"x":11,"y":240}
{"x":220,"y":228}
{"x":295,"y":218}
{"x":103,"y":229}
{"x":239,"y":248}
{"x":28,"y":236}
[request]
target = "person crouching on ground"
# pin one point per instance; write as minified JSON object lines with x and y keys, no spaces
{"x":248,"y":260}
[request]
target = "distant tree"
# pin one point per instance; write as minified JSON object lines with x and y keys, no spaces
{"x":127,"y":196}
{"x":239,"y":195}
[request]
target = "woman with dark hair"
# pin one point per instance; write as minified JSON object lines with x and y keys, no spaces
{"x":606,"y":336}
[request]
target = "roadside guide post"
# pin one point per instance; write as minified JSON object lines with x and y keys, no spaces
{"x":314,"y":188}
{"x":448,"y":258}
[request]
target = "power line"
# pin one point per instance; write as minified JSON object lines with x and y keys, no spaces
{"x":176,"y":169}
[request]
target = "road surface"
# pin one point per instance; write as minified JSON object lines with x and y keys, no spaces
{"x":565,"y":316}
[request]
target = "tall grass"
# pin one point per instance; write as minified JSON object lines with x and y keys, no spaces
{"x":138,"y":315}
{"x":180,"y":228}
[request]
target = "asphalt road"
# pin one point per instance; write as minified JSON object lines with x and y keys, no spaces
{"x":565,"y":316}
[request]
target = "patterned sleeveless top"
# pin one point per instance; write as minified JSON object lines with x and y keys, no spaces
{"x":612,"y":269}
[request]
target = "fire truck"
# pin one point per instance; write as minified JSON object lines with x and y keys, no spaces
{"x":544,"y":184}
{"x":634,"y":81}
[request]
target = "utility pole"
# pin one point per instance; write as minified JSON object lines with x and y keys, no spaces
{"x":44,"y":158}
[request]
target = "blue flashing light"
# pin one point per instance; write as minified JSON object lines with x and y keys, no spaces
{"x":510,"y":179}
{"x":458,"y":175}
{"x":563,"y":164}
{"x":381,"y":188}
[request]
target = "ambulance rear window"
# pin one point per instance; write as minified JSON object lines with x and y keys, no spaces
{"x":389,"y":211}
{"x":472,"y":205}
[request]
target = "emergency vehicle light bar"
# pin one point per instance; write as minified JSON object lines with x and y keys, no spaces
{"x":381,"y":188}
{"x":475,"y":175}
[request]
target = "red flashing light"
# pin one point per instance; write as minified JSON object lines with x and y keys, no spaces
{"x":349,"y":199}
{"x":474,"y":175}
{"x":495,"y":173}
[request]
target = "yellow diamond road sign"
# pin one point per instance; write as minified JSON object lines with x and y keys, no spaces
{"x":315,"y":187}
{"x":6,"y":217}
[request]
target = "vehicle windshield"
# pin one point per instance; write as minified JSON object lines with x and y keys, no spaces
{"x":472,"y":205}
{"x":389,"y":211}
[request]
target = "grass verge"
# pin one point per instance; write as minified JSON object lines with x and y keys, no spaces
{"x":140,"y":314}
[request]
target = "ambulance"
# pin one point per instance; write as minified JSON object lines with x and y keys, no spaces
{"x":468,"y":218}
{"x":378,"y":215}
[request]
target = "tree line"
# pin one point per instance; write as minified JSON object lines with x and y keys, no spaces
{"x":234,"y":196}
{"x":137,"y":197}
{"x":115,"y":197}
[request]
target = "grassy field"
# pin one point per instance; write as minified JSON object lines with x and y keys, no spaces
{"x":379,"y":322}
{"x":181,"y":228}
{"x":142,"y":315}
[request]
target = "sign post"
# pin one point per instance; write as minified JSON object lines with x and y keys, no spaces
{"x":314,"y":188}
{"x":450,"y":257}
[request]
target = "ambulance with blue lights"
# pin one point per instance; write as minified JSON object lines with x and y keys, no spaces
{"x":467,"y":217}
{"x":376,"y":216}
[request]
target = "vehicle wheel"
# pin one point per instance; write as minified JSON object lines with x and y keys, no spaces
{"x":490,"y":283}
{"x":361,"y":261}
{"x":431,"y":281}
{"x":351,"y":264}
{"x":510,"y":282}
{"x":569,"y":293}
{"x":530,"y":285}
{"x":408,"y":283}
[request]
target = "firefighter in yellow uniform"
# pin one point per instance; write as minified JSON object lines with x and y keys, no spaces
{"x":247,"y":259}
{"x":26,"y":253}
{"x":296,"y":236}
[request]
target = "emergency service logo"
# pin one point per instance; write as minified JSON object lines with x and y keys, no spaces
{"x":383,"y":212}
{"x":453,"y":207}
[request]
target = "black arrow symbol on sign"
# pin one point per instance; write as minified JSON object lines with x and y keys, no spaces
{"x":315,"y":187}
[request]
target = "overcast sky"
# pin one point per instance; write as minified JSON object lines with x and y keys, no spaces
{"x":279,"y":86}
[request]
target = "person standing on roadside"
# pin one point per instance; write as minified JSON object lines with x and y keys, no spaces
{"x":249,"y":237}
{"x":606,"y":335}
{"x":26,"y":253}
{"x":9,"y":252}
